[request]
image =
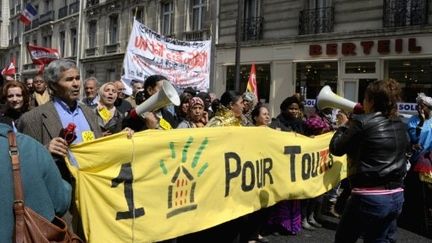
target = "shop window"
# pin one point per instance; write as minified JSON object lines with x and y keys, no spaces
{"x":360,"y":67}
{"x":262,"y":76}
{"x":312,"y":76}
{"x":413,"y":75}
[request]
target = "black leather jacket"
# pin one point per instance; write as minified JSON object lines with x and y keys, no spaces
{"x":376,"y":149}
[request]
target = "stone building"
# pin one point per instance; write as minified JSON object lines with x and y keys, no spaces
{"x":95,"y":32}
{"x":302,"y":45}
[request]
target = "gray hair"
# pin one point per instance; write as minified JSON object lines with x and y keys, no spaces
{"x":102,"y":88}
{"x":54,"y":70}
{"x":92,"y":78}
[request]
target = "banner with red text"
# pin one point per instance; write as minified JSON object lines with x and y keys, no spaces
{"x":184,"y":63}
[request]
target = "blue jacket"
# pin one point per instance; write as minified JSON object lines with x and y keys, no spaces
{"x":44,"y":190}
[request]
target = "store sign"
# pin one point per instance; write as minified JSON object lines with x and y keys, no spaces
{"x":402,"y":107}
{"x":383,"y":47}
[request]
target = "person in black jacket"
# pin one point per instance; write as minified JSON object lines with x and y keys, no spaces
{"x":160,"y":119}
{"x":376,"y":144}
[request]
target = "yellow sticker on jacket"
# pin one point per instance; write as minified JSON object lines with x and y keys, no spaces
{"x":87,"y":136}
{"x":105,"y":114}
{"x":164,"y":124}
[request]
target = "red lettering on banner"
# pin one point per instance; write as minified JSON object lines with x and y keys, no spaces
{"x":412,"y":45}
{"x":323,"y":164}
{"x":348,"y":49}
{"x":384,"y":46}
{"x":155,"y":47}
{"x":196,"y":59}
{"x":331,"y":49}
{"x":367,"y":46}
{"x":315,"y":50}
{"x":141,"y":43}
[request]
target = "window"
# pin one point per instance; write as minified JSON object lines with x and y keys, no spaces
{"x":413,"y":75}
{"x":312,"y":76}
{"x":262,"y":78}
{"x":405,"y":12}
{"x":113,"y":29}
{"x":138,"y":14}
{"x":62,"y":40}
{"x":252,"y":20}
{"x":46,"y":41}
{"x":360,"y":67}
{"x":92,"y":31}
{"x":167,"y":18}
{"x":73,"y":41}
{"x":317,"y":17}
{"x":12,"y":31}
{"x":198,"y":14}
{"x":48,"y":5}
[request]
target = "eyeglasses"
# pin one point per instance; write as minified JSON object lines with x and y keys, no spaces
{"x":38,"y":81}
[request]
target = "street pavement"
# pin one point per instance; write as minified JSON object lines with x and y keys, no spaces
{"x":327,"y":232}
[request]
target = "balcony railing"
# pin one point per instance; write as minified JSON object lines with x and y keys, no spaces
{"x":63,"y":12}
{"x":35,"y":23}
{"x":91,"y":3}
{"x":196,"y":35}
{"x":29,"y":66}
{"x":252,"y":28}
{"x":74,"y":7}
{"x":91,"y":51}
{"x":112,"y":48}
{"x":46,"y":17}
{"x":315,"y":21}
{"x":399,"y":13}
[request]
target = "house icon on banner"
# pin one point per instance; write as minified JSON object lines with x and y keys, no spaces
{"x":181,"y":193}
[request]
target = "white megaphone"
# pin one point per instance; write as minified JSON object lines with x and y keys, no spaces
{"x":167,"y":95}
{"x":327,"y":99}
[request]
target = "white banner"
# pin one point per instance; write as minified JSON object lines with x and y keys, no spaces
{"x":184,"y":63}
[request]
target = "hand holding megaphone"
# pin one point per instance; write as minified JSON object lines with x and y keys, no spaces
{"x":167,"y":95}
{"x":327,"y":99}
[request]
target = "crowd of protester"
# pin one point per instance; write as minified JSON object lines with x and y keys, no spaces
{"x":42,"y":106}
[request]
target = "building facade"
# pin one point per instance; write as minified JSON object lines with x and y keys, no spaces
{"x":95,"y":33}
{"x":296,"y":45}
{"x":299,"y":46}
{"x":4,"y":30}
{"x":108,"y":24}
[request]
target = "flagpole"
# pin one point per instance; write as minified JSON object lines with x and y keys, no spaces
{"x":79,"y":44}
{"x":21,"y":58}
{"x":237,"y":48}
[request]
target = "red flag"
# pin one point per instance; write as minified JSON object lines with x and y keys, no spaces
{"x":42,"y":55}
{"x":252,"y":83}
{"x":10,"y":70}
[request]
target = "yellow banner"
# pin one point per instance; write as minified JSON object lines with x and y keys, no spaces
{"x":162,"y":184}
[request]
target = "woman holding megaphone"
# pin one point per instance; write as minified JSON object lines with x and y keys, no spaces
{"x":375,"y":143}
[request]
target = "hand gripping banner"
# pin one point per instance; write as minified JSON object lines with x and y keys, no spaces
{"x":156,"y":185}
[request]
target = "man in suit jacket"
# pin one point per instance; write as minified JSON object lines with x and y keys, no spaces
{"x":45,"y":122}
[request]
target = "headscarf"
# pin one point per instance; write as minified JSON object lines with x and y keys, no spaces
{"x":195,"y":101}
